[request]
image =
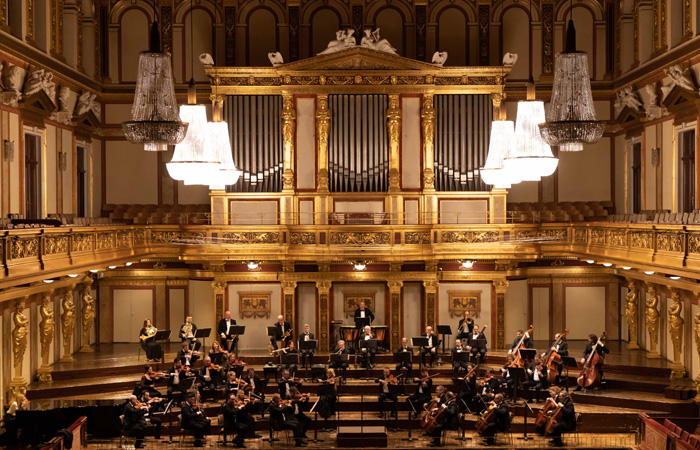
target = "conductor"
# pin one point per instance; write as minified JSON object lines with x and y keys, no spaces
{"x":363,"y":316}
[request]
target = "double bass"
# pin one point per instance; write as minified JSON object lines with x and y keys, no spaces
{"x":518,"y":360}
{"x":553,"y":358}
{"x":590,"y":374}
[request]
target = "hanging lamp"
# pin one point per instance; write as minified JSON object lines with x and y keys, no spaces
{"x":530,"y":157}
{"x":571,"y":119}
{"x":193,"y":159}
{"x":155,"y":121}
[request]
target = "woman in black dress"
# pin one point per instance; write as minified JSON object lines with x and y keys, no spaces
{"x":148,"y":343}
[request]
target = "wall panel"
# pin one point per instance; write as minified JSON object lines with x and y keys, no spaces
{"x":255,"y":337}
{"x":516,"y":309}
{"x":131,"y":173}
{"x":176,"y":297}
{"x":481,"y":319}
{"x":588,"y":302}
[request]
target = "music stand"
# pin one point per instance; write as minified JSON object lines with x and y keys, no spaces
{"x":516,"y":373}
{"x":397,"y":389}
{"x":444,"y":330}
{"x":478,"y":344}
{"x":238,"y":330}
{"x":419,"y":342}
{"x":527,"y":354}
{"x":339,"y":359}
{"x":568,"y":362}
{"x":409,"y":438}
{"x":289,"y":360}
{"x":203,"y":333}
{"x":217,"y":358}
{"x":361,"y":323}
{"x":403,"y":358}
{"x":368,"y":344}
{"x":272,"y":333}
{"x":329,"y":390}
{"x":527,"y":408}
{"x":306,"y":346}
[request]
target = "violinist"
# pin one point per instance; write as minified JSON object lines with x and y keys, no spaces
{"x":527,"y":342}
{"x":491,"y":382}
{"x":233,"y":364}
{"x":465,"y":327}
{"x":467,"y":388}
{"x":385,"y":393}
{"x":601,"y":349}
{"x":408,"y":366}
{"x":135,"y":420}
{"x":254,"y":386}
{"x":368,"y":353}
{"x":306,"y":354}
{"x":187,"y":332}
{"x":459,"y":367}
{"x":536,"y":377}
{"x":326,"y":404}
{"x":178,"y":374}
{"x":477,"y":344}
{"x":500,"y":420}
{"x":148,"y":343}
{"x":187,"y":355}
{"x":423,"y":388}
{"x":507,"y":381}
{"x":286,"y":383}
{"x":449,"y":420}
{"x":155,"y":404}
{"x":194,"y":419}
{"x":232,"y":383}
{"x":292,"y":350}
{"x":209,"y":375}
{"x":282,"y":418}
{"x":217,"y":355}
{"x":343,"y":362}
{"x":236,"y":419}
{"x":431,"y":348}
{"x":299,"y":402}
{"x":568,"y":419}
{"x":148,"y":380}
{"x":562,"y":347}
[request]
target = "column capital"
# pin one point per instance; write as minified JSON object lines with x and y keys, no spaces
{"x":323,"y":286}
{"x":219,"y":285}
{"x":395,"y":286}
{"x":430,"y":286}
{"x":289,"y":286}
{"x":501,"y":285}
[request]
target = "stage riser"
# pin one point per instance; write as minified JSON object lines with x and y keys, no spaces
{"x":681,"y":409}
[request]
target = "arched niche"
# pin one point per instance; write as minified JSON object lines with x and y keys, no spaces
{"x":15,"y":18}
{"x":453,"y":35}
{"x":134,"y":37}
{"x":262,"y":36}
{"x":516,"y":38}
{"x":324,"y":22}
{"x":391,"y":22}
{"x":204,"y":41}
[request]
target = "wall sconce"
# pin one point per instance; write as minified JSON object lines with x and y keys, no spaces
{"x":62,"y":158}
{"x":655,"y":157}
{"x":254,"y":266}
{"x":466,"y":264}
{"x":9,"y":150}
{"x":359,"y":266}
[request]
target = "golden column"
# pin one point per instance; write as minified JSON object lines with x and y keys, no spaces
{"x":289,"y":289}
{"x":395,"y":312}
{"x":323,"y":314}
{"x":47,"y":327}
{"x":651,"y":314}
{"x":631,"y":312}
{"x":4,"y":25}
{"x":67,"y":322}
{"x":675,"y":328}
{"x":696,"y":335}
{"x":87,"y":315}
{"x":427,"y":116}
{"x":289,"y":123}
{"x":19,"y":346}
{"x":430,"y":287}
{"x":323,"y":123}
{"x":393,"y":127}
{"x":501,"y":286}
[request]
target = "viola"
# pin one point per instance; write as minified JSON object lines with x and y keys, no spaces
{"x":552,"y":359}
{"x":590,"y":373}
{"x":517,"y":360}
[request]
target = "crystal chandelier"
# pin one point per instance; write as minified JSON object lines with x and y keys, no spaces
{"x":530,"y":157}
{"x":571,"y":120}
{"x":155,"y":122}
{"x":218,"y":138}
{"x":494,"y":172}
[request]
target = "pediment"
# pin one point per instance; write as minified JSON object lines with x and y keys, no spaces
{"x":39,"y":103}
{"x":88,"y":119}
{"x":357,"y":58}
{"x":629,"y":115}
{"x":680,"y":98}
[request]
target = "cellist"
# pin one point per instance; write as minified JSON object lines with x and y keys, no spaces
{"x":600,"y":349}
{"x":549,"y":405}
{"x":527,"y":342}
{"x":568,"y":419}
{"x":500,"y":421}
{"x":448,"y":421}
{"x":562,"y":347}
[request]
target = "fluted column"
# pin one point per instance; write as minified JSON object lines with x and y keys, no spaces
{"x":87,"y":315}
{"x":395,"y":313}
{"x":430,"y":288}
{"x":20,"y":339}
{"x":47,"y":328}
{"x":323,"y":314}
{"x":393,"y":124}
{"x":67,"y":322}
{"x":501,"y":286}
{"x":631,"y":312}
{"x":289,"y":289}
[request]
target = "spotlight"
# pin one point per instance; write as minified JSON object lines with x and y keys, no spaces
{"x":359,"y":265}
{"x":48,"y":281}
{"x":128,"y":264}
{"x":112,"y":267}
{"x":674,"y":277}
{"x":590,"y":261}
{"x":607,"y":264}
{"x":73,"y":275}
{"x":626,"y":268}
{"x":253,"y":265}
{"x":466,"y":264}
{"x":649,"y":272}
{"x":94,"y":270}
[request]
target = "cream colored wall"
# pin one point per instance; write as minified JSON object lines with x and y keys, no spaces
{"x":516,"y":307}
{"x":306,"y":299}
{"x":412,"y":293}
{"x":306,"y":143}
{"x":463,"y":211}
{"x":585,"y":176}
{"x":255,"y":337}
{"x":620,"y":168}
{"x":176,"y":297}
{"x":253,"y":212}
{"x":411,"y":146}
{"x":517,"y":40}
{"x":51,"y":169}
{"x":588,"y":302}
{"x":540,"y":312}
{"x":667,"y":159}
{"x":131,"y":307}
{"x":481,"y":319}
{"x":201,"y":302}
{"x":192,"y":195}
{"x":132,"y":173}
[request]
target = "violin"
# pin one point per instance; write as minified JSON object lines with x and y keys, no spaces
{"x":391,"y":379}
{"x":214,"y":367}
{"x":517,"y":360}
{"x":590,"y":373}
{"x":301,"y":397}
{"x":470,"y":374}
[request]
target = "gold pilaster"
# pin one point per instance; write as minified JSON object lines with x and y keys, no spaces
{"x":67,"y":322}
{"x":289,"y":289}
{"x":652,"y":321}
{"x":395,"y":313}
{"x":501,"y":286}
{"x":427,"y":115}
{"x":393,"y":126}
{"x":631,"y":312}
{"x":19,"y":336}
{"x":323,"y":121}
{"x":322,"y":312}
{"x":289,"y":120}
{"x":635,"y":41}
{"x":219,"y":285}
{"x":87,"y":315}
{"x":696,"y":335}
{"x":29,"y":35}
{"x":4,"y":25}
{"x":430,"y":287}
{"x":47,"y":327}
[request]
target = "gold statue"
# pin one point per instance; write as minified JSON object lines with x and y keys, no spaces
{"x":652,"y":321}
{"x":19,"y":335}
{"x":47,"y":326}
{"x":68,"y":323}
{"x":88,"y":316}
{"x":631,"y":313}
{"x":676,"y":322}
{"x":697,"y":348}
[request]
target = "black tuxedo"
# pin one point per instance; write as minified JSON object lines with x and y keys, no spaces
{"x":428,"y":350}
{"x":470,"y":326}
{"x":283,"y":418}
{"x":384,"y":394}
{"x":181,"y":355}
{"x":540,"y":383}
{"x":229,"y":342}
{"x":195,"y":420}
{"x":369,"y":318}
{"x":568,"y":421}
{"x":285,"y":384}
{"x":237,"y":420}
{"x":342,"y":363}
{"x":279,"y":333}
{"x":214,"y":378}
{"x":527,"y":343}
{"x":500,"y":423}
{"x":135,"y":422}
{"x":477,"y":347}
{"x":457,"y":365}
{"x":409,"y":364}
{"x":305,"y":354}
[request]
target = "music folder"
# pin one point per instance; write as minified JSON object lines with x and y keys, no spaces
{"x":527,"y":353}
{"x":290,"y":359}
{"x":444,"y":329}
{"x":272,"y":331}
{"x":462,"y":356}
{"x":368,"y":344}
{"x":162,"y":335}
{"x":403,"y":357}
{"x":237,"y":329}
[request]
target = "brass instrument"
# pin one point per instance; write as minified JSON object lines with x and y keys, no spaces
{"x":186,"y":330}
{"x":150,"y":332}
{"x":336,"y":353}
{"x":274,"y":352}
{"x":287,"y":333}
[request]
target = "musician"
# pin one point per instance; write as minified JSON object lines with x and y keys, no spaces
{"x":527,"y":342}
{"x":568,"y":418}
{"x":306,"y":354}
{"x":209,"y":375}
{"x":562,"y":347}
{"x":235,"y":421}
{"x":326,"y":403}
{"x":385,"y":394}
{"x":422,"y":395}
{"x":148,"y":380}
{"x":368,"y":354}
{"x":292,"y":350}
{"x":216,"y":354}
{"x":459,"y":367}
{"x":187,"y":332}
{"x":187,"y":356}
{"x":507,"y":380}
{"x":255,"y":386}
{"x":231,"y":385}
{"x":601,"y":349}
{"x":363,"y":316}
{"x":536,"y":377}
{"x":299,"y":402}
{"x":343,"y":362}
{"x":135,"y":420}
{"x":408,"y":366}
{"x":194,"y":419}
{"x":500,"y":422}
{"x":286,"y":383}
{"x":155,"y":404}
{"x":467,"y":389}
{"x":477,"y":344}
{"x":491,"y":383}
{"x":553,"y":399}
{"x":233,"y":364}
{"x":449,"y":421}
{"x":282,"y":328}
{"x":465,"y":326}
{"x":178,"y":374}
{"x":20,"y":403}
{"x":282,"y":418}
{"x":148,"y":343}
{"x":228,"y":339}
{"x":431,"y":348}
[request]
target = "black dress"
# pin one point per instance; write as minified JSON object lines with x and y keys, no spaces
{"x":150,"y":346}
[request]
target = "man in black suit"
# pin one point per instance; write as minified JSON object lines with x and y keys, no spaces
{"x":178,"y":374}
{"x":422,"y":395}
{"x":282,"y":327}
{"x":195,"y":420}
{"x":459,"y":367}
{"x":283,"y":418}
{"x":343,"y":362}
{"x":477,"y":344}
{"x":568,"y":420}
{"x":237,"y":420}
{"x":562,"y":347}
{"x":306,"y":355}
{"x":501,"y":420}
{"x":363,"y":316}
{"x":135,"y":421}
{"x":465,"y":326}
{"x":209,"y":377}
{"x":536,"y":378}
{"x":431,"y":348}
{"x":187,"y":332}
{"x":405,"y":366}
{"x":449,"y":421}
{"x":385,"y":394}
{"x":228,"y":340}
{"x":368,"y":353}
{"x":187,"y":356}
{"x":286,"y":383}
{"x":527,"y":342}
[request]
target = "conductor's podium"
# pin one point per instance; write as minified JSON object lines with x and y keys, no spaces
{"x":359,"y":437}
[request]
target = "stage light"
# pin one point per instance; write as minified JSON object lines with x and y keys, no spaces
{"x":607,"y":264}
{"x":128,"y":264}
{"x":48,"y":281}
{"x":590,"y":261}
{"x":626,"y":268}
{"x":466,"y":264}
{"x":73,"y":275}
{"x":674,"y":277}
{"x":112,"y":267}
{"x":94,"y":270}
{"x":253,"y":265}
{"x":649,"y":272}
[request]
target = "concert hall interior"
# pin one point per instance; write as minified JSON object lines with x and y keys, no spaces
{"x":421,"y":222}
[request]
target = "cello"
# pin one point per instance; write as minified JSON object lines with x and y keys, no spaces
{"x":517,"y":359}
{"x":557,"y":415}
{"x":590,"y":373}
{"x":543,"y":414}
{"x":433,"y":416}
{"x":553,"y":358}
{"x":488,"y":416}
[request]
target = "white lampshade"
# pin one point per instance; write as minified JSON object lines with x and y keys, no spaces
{"x":494,"y":172}
{"x":192,"y":157}
{"x":218,"y":138}
{"x":530,"y":157}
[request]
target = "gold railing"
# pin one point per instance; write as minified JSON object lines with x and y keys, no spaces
{"x":35,"y":254}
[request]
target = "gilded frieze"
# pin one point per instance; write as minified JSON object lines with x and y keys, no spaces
{"x":195,"y":238}
{"x":302,"y":238}
{"x":669,"y":242}
{"x":617,"y":238}
{"x":251,"y":238}
{"x":411,"y":237}
{"x":469,"y":236}
{"x":82,"y":242}
{"x":597,"y":236}
{"x":24,"y":248}
{"x":139,"y":237}
{"x":550,"y":235}
{"x":580,"y":235}
{"x":55,"y":244}
{"x":104,"y":240}
{"x":123,"y":238}
{"x":360,"y":238}
{"x":164,"y":237}
{"x":640,"y":239}
{"x":694,"y":243}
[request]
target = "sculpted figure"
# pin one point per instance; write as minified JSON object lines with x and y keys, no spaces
{"x":84,"y":103}
{"x":47,"y":326}
{"x":19,"y":335}
{"x":67,"y":320}
{"x":275,"y":58}
{"x":652,"y":317}
{"x":654,"y":109}
{"x":631,"y":313}
{"x":676,"y":325}
{"x":679,"y":77}
{"x":439,"y":58}
{"x":343,"y":40}
{"x":34,"y":83}
{"x":88,"y":314}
